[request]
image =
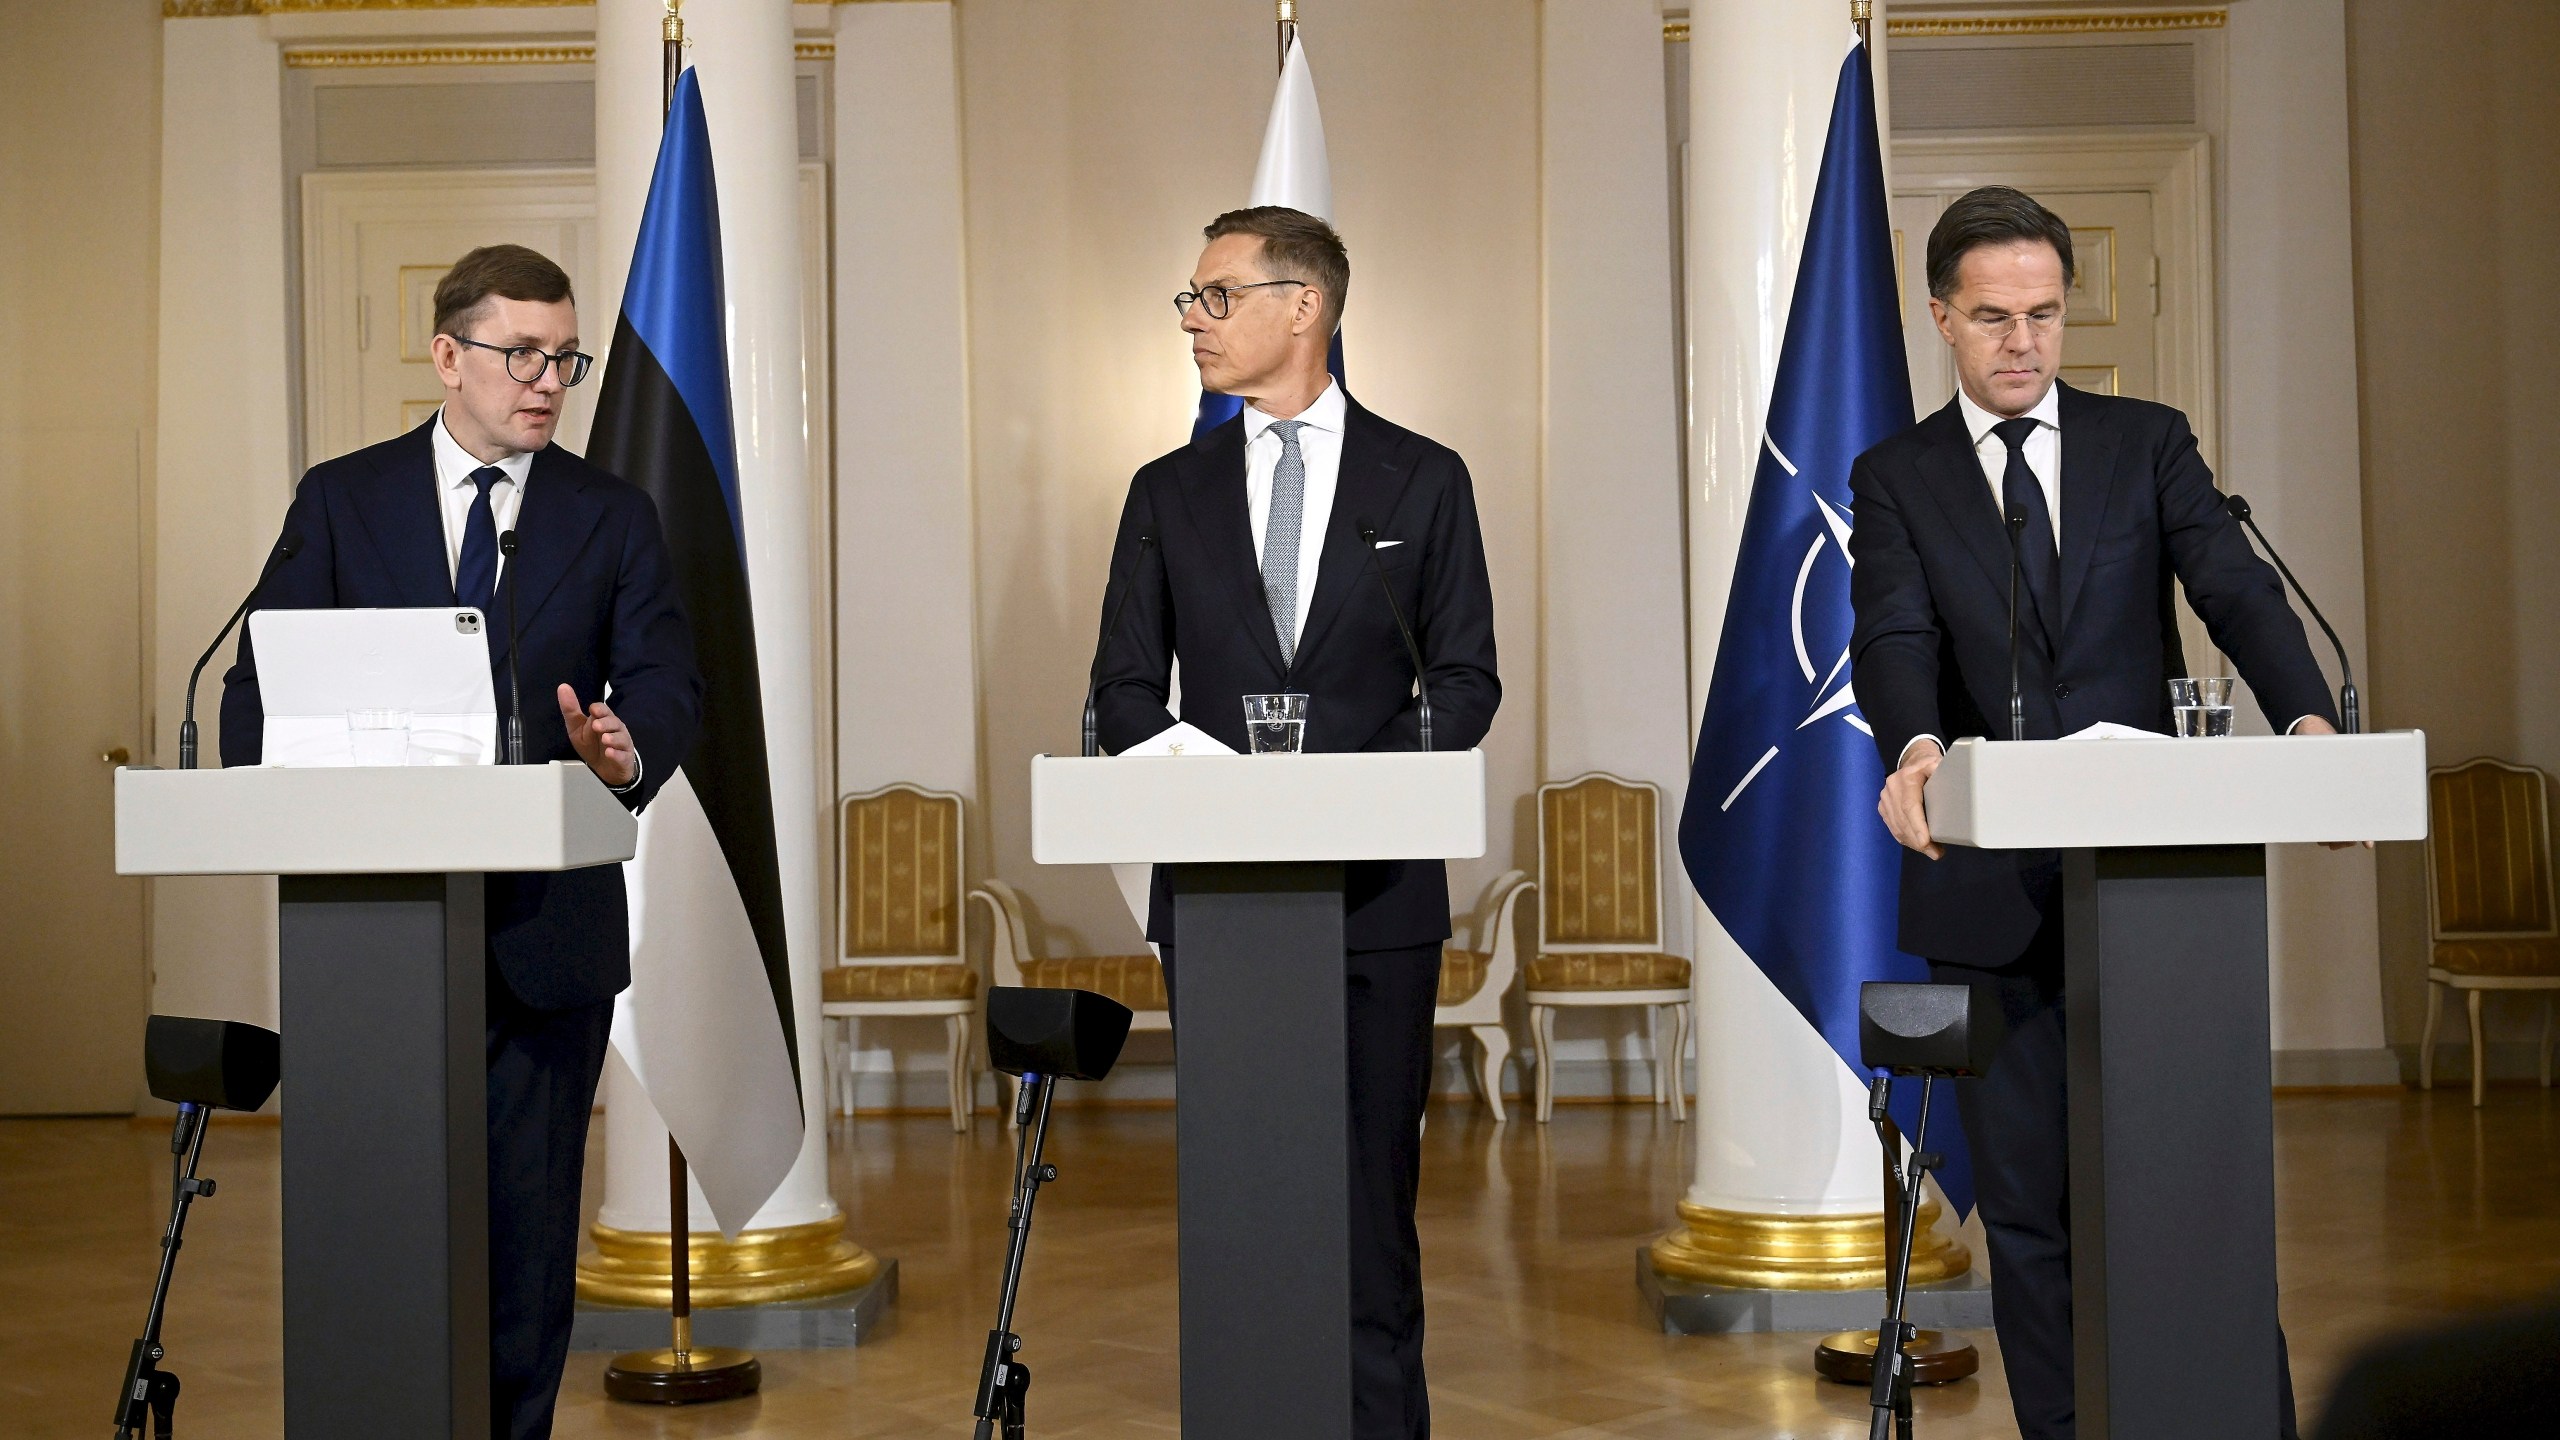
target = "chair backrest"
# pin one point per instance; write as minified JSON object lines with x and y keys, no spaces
{"x":1599,"y":871}
{"x":2489,"y":851}
{"x":903,"y":893}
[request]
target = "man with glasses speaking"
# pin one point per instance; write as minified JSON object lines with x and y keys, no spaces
{"x":1260,"y":556}
{"x":416,"y":522}
{"x":2105,"y":500}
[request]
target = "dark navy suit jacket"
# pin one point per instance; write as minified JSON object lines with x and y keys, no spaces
{"x":1930,"y":587}
{"x":1198,"y":595}
{"x":597,"y":607}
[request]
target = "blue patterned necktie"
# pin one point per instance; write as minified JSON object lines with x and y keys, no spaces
{"x":1280,"y":537}
{"x":475,"y":577}
{"x":2021,"y":493}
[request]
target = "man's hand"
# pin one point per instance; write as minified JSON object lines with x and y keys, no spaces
{"x":2314,"y":725}
{"x":1900,"y":804}
{"x":600,"y":739}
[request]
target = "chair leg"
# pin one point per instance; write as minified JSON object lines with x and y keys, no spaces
{"x":1653,"y":1047}
{"x":957,"y":1071}
{"x":1680,"y":1062}
{"x":1493,"y":1047}
{"x":1544,"y":1018}
{"x":2427,"y":1040}
{"x":2479,"y":1053}
{"x":835,"y":1057}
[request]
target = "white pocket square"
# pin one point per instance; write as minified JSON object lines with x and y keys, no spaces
{"x":1388,"y":544}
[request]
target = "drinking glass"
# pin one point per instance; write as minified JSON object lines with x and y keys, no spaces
{"x":1275,"y":724}
{"x":378,"y":737}
{"x":2201,"y":706}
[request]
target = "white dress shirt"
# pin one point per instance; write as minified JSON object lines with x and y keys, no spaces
{"x":1320,"y":446}
{"x":2043,"y":447}
{"x":455,"y":492}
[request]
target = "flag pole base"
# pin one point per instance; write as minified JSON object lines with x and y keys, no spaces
{"x":1936,"y":1357}
{"x":667,"y":1377}
{"x":760,"y":1267}
{"x":1798,"y":1252}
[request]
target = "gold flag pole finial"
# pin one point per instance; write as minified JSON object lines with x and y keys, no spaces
{"x":1861,"y":13}
{"x":1288,"y":28}
{"x":671,"y":31}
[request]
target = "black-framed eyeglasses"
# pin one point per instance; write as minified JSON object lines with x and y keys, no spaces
{"x":1220,"y":298}
{"x":525,"y":363}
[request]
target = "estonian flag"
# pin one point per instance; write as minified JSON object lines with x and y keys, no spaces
{"x":1780,"y":833}
{"x":1293,"y":172}
{"x":706,"y":1024}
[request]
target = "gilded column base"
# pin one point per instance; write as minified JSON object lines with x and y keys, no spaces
{"x":760,"y":1267}
{"x":1798,"y":1252}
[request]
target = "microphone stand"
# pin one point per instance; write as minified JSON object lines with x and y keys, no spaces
{"x":1421,"y":686}
{"x":1110,"y":632}
{"x":515,"y":696}
{"x":1889,"y":1395}
{"x":286,"y":549}
{"x":1004,"y":1383}
{"x":150,"y":1394}
{"x":2350,"y":704}
{"x":2017,"y":697}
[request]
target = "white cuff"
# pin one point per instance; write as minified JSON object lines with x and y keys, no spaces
{"x":1905,"y":757}
{"x":637,"y":770}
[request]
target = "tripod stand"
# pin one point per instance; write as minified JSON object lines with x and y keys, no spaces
{"x":1004,"y":1383}
{"x":1889,"y":1394}
{"x":149,"y":1393}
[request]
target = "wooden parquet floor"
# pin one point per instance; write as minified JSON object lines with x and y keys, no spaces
{"x":2395,"y":1209}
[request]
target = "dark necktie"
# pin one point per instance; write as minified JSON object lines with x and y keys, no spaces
{"x":2021,"y":494}
{"x":475,"y":577}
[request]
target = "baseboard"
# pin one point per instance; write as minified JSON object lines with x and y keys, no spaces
{"x":2507,"y":1060}
{"x":2337,"y":1069}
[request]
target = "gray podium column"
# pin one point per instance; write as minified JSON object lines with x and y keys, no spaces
{"x":1262,"y":1125}
{"x":386,"y":1157}
{"x":2173,"y":1251}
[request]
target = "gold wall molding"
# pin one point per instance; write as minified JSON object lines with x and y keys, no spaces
{"x":220,"y":9}
{"x":375,"y":57}
{"x":760,"y":1267}
{"x":1799,"y":1252}
{"x":1677,"y":31}
{"x":1916,"y":26}
{"x":816,"y":49}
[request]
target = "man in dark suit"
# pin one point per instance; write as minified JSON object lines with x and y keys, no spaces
{"x":2116,"y":503}
{"x":416,"y":521}
{"x":1257,"y":576}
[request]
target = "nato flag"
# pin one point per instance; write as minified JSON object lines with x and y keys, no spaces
{"x":663,"y":424}
{"x":1780,"y":832}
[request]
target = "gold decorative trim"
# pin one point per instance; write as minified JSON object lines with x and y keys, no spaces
{"x":1915,"y":26}
{"x":760,"y":1267}
{"x":380,"y":57}
{"x":1797,"y":1252}
{"x":1676,"y":33}
{"x":224,"y":9}
{"x":813,"y":50}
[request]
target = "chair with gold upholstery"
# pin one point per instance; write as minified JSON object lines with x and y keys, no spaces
{"x":1600,"y":924}
{"x":1136,"y":981}
{"x":1474,"y":981}
{"x":904,"y":949}
{"x":2493,"y":916}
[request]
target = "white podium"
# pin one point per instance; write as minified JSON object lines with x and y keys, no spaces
{"x":1257,"y":843}
{"x":382,"y":953}
{"x":2173,"y":1254}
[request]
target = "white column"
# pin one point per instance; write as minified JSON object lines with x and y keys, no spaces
{"x":742,"y":50}
{"x":1781,"y":1125}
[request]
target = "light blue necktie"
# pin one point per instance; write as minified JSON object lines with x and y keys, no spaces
{"x":1280,"y":537}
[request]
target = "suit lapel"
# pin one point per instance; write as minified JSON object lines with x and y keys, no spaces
{"x":399,"y":515}
{"x":1213,"y":490}
{"x":2088,"y":479}
{"x":1954,"y":475}
{"x":551,"y":528}
{"x":1366,"y":488}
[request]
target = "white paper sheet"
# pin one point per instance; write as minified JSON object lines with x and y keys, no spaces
{"x":1184,"y":738}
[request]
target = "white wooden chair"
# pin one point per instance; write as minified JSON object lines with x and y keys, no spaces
{"x":2493,"y":915}
{"x":903,"y":937}
{"x":1473,"y":983}
{"x":1600,"y":924}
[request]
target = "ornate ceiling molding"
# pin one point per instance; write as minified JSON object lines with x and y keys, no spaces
{"x":1906,"y":27}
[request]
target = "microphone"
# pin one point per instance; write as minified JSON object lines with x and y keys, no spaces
{"x":1422,"y":687}
{"x":286,"y":549}
{"x":2350,"y":704}
{"x":1110,"y":632}
{"x":2017,"y":697}
{"x":515,"y":697}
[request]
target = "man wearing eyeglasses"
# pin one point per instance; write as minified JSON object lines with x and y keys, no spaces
{"x":606,"y":661}
{"x":2110,"y":503}
{"x":1259,"y":556}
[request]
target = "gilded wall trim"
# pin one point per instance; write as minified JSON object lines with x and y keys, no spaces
{"x":219,"y":9}
{"x":1900,"y":27}
{"x":384,"y":56}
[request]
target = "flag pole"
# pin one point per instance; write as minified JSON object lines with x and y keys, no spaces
{"x":1861,"y":14}
{"x":1288,"y":29}
{"x":679,"y":1374}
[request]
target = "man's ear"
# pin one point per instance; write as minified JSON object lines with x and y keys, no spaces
{"x":1310,"y":310}
{"x":1944,"y":318}
{"x":448,"y":360}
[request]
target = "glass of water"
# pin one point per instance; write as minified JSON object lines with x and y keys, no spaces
{"x":1275,"y":724}
{"x":2201,"y":706}
{"x":378,"y":737}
